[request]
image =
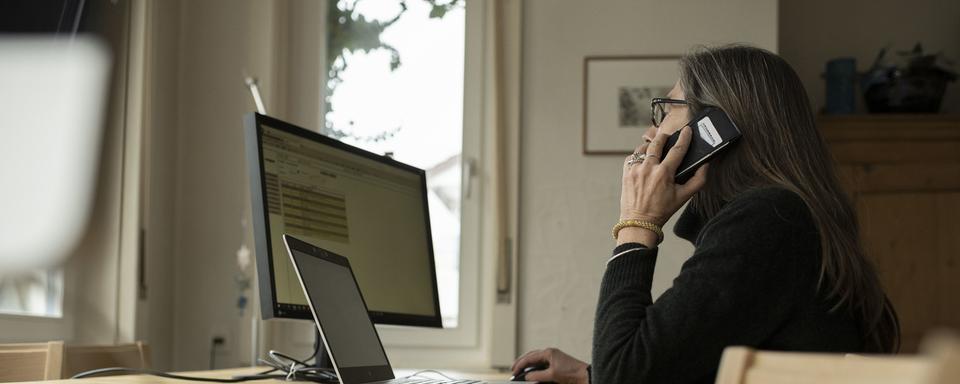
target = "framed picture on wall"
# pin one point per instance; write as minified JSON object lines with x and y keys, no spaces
{"x":617,"y":91}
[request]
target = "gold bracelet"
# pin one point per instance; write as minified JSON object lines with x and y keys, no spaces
{"x":640,"y":224}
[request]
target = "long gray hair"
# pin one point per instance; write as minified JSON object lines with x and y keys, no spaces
{"x":781,"y":146}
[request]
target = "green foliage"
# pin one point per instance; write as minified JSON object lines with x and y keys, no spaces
{"x":348,"y":32}
{"x":438,"y":11}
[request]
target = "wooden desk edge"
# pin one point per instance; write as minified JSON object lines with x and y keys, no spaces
{"x":231,"y":372}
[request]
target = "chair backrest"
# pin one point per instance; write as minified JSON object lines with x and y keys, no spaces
{"x":945,"y":348}
{"x":30,"y":362}
{"x":81,"y":358}
{"x":741,"y":365}
{"x":940,"y":364}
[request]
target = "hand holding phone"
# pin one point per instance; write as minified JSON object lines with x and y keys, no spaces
{"x":712,"y":131}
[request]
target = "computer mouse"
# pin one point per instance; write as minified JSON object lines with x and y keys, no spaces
{"x":522,"y":376}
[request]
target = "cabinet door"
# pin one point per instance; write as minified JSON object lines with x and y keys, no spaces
{"x":914,"y":239}
{"x":904,"y":174}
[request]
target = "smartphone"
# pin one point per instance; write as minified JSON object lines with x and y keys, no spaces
{"x":713,"y":131}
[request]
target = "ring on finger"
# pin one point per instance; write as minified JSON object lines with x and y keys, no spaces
{"x":637,"y":158}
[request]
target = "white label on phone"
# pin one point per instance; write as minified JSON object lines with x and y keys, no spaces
{"x":708,"y":132}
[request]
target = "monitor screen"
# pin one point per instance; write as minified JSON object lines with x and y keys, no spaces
{"x":366,"y":207}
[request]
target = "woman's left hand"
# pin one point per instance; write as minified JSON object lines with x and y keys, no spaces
{"x":648,"y":192}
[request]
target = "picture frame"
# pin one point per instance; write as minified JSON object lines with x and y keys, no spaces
{"x":617,"y":91}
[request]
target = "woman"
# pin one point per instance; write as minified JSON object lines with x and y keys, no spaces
{"x":778,"y":263}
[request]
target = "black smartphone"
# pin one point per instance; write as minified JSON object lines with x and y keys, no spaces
{"x":713,"y":131}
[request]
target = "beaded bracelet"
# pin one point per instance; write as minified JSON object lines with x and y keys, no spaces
{"x":640,"y":224}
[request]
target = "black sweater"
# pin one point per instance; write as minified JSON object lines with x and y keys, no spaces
{"x":751,"y":281}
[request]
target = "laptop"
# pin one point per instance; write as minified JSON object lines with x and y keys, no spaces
{"x":341,"y":316}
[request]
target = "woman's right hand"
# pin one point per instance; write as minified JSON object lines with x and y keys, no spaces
{"x":561,"y":367}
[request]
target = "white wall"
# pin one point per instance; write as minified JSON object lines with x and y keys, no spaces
{"x":221,"y":42}
{"x":156,"y":310}
{"x":814,"y":31}
{"x":569,"y":201}
{"x":196,"y":193}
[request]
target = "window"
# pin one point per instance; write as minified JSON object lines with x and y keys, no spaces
{"x":396,"y":86}
{"x":38,"y":293}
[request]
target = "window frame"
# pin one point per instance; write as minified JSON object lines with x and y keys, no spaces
{"x":35,"y":328}
{"x":107,"y":257}
{"x":401,"y":341}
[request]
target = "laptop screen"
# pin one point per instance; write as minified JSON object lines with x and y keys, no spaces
{"x":339,"y":309}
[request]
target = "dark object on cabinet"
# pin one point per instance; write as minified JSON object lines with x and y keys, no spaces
{"x":916,"y":87}
{"x":841,"y":77}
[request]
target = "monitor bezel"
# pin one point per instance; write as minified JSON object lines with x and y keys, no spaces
{"x":269,"y":307}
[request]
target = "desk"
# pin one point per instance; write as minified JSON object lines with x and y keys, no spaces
{"x":228,"y":373}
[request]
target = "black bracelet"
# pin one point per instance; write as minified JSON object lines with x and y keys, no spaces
{"x":589,"y":374}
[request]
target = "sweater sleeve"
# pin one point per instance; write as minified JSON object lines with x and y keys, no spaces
{"x":737,"y":289}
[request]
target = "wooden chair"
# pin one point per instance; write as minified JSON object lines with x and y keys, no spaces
{"x":940,"y":364}
{"x":30,"y":362}
{"x":945,"y":348}
{"x":78,"y":358}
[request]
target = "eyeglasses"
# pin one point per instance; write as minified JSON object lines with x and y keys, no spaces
{"x":660,"y":107}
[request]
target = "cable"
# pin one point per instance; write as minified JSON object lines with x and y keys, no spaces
{"x":312,"y":355}
{"x":101,"y":371}
{"x":291,"y":368}
{"x":275,"y":368}
{"x":276,"y":355}
{"x":418,"y":373}
{"x":76,"y":20}
{"x":298,"y":369}
{"x":267,"y":371}
{"x":235,"y":379}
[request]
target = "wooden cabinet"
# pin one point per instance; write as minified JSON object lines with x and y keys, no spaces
{"x":903,"y":173}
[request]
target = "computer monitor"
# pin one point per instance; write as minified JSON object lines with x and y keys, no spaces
{"x":367,"y":207}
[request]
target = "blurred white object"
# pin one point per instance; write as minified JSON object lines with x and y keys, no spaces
{"x":52,"y":101}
